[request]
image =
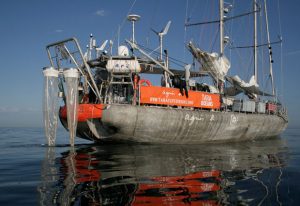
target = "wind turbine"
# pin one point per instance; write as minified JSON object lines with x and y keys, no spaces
{"x":101,"y":48}
{"x":160,"y":35}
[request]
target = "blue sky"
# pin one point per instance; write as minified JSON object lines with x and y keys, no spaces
{"x":28,"y":26}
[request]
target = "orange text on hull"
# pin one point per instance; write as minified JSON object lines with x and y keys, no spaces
{"x":173,"y":97}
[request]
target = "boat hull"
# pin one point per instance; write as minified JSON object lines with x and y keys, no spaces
{"x":168,"y":125}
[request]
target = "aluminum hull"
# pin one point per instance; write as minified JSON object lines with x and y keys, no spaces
{"x":123,"y":123}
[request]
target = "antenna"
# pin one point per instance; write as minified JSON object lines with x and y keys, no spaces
{"x":133,"y":18}
{"x":161,"y":34}
{"x":90,"y":47}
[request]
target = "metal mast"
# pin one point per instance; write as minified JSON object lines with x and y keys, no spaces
{"x":255,"y":39}
{"x":133,"y":18}
{"x":221,"y":7}
{"x":270,"y":50}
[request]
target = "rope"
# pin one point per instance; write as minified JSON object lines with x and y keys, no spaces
{"x":230,"y":30}
{"x":260,"y":45}
{"x":171,"y":59}
{"x":281,"y":48}
{"x":154,"y":14}
{"x":184,"y":36}
{"x":227,"y":19}
{"x":214,"y":40}
{"x":264,"y":83}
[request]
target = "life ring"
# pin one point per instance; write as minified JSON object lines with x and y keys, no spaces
{"x":145,"y":82}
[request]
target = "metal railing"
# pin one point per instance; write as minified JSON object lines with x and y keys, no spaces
{"x":62,"y":52}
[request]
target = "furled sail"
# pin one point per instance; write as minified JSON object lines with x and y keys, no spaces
{"x":238,"y":86}
{"x":217,"y":66}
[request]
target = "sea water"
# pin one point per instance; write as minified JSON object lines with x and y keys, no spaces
{"x":248,"y":173}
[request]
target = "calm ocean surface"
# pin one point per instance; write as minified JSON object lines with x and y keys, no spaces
{"x":248,"y":173}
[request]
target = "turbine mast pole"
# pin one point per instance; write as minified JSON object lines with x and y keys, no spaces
{"x":161,"y":45}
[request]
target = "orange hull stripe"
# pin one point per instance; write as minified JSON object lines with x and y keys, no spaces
{"x":85,"y":111}
{"x":172,"y":96}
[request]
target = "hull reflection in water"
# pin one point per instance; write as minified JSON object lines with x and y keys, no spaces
{"x":243,"y":173}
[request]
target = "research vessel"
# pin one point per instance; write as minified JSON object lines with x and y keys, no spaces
{"x":106,"y":97}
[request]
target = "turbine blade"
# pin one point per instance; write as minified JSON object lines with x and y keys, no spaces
{"x":103,"y":45}
{"x":165,"y":31}
{"x":154,"y":31}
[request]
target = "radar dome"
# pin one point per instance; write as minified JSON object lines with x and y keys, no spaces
{"x":123,"y":51}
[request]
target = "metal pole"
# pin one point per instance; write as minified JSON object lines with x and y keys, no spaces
{"x":165,"y":73}
{"x":221,"y":7}
{"x":270,"y":51}
{"x":134,"y":46}
{"x":133,"y":40}
{"x":160,"y":40}
{"x":91,"y":47}
{"x":255,"y":39}
{"x":119,"y":35}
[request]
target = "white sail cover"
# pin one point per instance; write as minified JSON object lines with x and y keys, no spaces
{"x":242,"y":83}
{"x":217,"y":66}
{"x":239,"y":85}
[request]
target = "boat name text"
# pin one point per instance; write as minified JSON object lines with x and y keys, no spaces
{"x":193,"y":118}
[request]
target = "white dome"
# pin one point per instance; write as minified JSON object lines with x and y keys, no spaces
{"x":123,"y":51}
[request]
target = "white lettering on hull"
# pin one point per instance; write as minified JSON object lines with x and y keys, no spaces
{"x":233,"y":119}
{"x":192,"y":119}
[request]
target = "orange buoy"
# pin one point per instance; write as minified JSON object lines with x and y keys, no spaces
{"x":145,"y":82}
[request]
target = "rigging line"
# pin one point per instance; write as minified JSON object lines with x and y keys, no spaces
{"x":260,"y":45}
{"x":225,"y":19}
{"x":174,"y":61}
{"x":214,"y":41}
{"x":262,"y":52}
{"x":210,"y":29}
{"x":124,"y":20}
{"x":281,"y":48}
{"x":153,"y":16}
{"x":193,"y":7}
{"x":205,"y":13}
{"x":231,"y":29}
{"x":184,"y":36}
{"x":158,"y":53}
{"x":243,"y":63}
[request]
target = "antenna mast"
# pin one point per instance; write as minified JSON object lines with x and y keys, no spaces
{"x":133,"y":18}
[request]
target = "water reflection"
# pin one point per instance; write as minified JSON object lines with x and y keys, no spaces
{"x":243,"y":173}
